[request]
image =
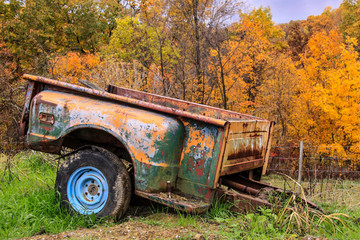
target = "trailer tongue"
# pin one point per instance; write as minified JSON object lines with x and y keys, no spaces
{"x":128,"y":142}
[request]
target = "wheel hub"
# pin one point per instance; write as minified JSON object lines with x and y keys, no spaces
{"x":87,"y":190}
{"x":93,"y":189}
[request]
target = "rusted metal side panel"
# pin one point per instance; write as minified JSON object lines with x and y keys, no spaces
{"x":25,"y":113}
{"x":51,"y":84}
{"x":178,"y":202}
{"x":177,"y":104}
{"x":246,"y":146}
{"x":222,"y":156}
{"x":153,"y":140}
{"x":199,"y":159}
{"x":32,"y":90}
{"x":268,"y":147}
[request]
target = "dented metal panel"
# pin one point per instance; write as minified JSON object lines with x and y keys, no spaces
{"x":199,"y":158}
{"x":246,"y":146}
{"x":152,"y":139}
{"x":56,"y":85}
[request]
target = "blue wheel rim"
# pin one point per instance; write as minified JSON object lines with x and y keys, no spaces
{"x":87,"y":190}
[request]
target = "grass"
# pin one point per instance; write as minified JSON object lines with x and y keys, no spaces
{"x":29,"y":206}
{"x":339,"y":198}
{"x":28,"y":203}
{"x":292,"y":220}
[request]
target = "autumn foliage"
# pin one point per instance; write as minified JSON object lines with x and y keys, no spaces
{"x":304,"y":75}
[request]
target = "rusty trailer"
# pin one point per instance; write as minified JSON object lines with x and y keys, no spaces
{"x":126,"y":142}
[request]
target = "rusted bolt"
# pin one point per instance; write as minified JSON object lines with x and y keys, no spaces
{"x":93,"y":189}
{"x":169,"y":188}
{"x":86,"y":193}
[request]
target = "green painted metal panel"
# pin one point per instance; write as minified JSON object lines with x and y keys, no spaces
{"x":200,"y":158}
{"x":153,"y":140}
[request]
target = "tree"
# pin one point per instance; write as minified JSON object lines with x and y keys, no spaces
{"x":329,"y":98}
{"x":277,"y":99}
{"x":193,"y":14}
{"x":297,"y":37}
{"x":251,"y":41}
{"x":36,"y":29}
{"x":133,"y":40}
{"x":299,"y":32}
{"x":328,"y":20}
{"x":169,"y":38}
{"x":350,"y":25}
{"x":11,"y":96}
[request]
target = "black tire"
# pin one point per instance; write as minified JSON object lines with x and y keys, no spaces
{"x":94,"y":176}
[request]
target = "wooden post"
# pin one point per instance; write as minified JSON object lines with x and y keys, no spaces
{"x":300,"y":164}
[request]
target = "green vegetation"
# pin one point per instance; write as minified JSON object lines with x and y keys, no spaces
{"x":30,"y":206}
{"x":28,"y":202}
{"x":264,"y":224}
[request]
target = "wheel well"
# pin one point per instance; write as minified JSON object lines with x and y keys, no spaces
{"x":92,"y":136}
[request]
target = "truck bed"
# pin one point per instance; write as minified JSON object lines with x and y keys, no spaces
{"x":215,"y":142}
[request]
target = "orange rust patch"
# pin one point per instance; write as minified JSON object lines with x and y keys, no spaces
{"x":48,"y":137}
{"x":197,"y":139}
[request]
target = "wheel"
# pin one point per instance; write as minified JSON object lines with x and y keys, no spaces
{"x":94,"y":181}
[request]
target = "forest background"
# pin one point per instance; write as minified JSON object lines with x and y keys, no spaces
{"x":304,"y":75}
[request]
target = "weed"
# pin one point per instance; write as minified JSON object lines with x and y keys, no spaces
{"x":220,"y":210}
{"x":187,"y":219}
{"x":297,"y":216}
{"x":28,"y":203}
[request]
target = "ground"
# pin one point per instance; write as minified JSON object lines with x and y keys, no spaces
{"x":136,"y":229}
{"x":127,"y":230}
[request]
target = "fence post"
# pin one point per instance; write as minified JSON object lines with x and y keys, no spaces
{"x":300,"y":164}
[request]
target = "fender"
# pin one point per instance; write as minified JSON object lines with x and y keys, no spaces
{"x":154,"y":141}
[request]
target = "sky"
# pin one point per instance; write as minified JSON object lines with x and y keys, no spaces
{"x":285,"y":10}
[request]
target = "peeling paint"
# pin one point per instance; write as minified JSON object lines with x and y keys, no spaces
{"x":148,"y":136}
{"x":188,"y":144}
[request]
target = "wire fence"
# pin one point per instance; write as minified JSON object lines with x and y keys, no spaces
{"x":325,"y":161}
{"x":329,"y":174}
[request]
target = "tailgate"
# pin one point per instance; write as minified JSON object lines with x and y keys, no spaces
{"x":247,"y":146}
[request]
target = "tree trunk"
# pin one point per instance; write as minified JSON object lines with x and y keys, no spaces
{"x":199,"y":88}
{"x":222,"y":77}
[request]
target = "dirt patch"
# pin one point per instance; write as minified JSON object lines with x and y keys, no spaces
{"x":159,"y":226}
{"x":127,"y":230}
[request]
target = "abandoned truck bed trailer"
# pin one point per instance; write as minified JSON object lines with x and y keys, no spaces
{"x":126,"y":142}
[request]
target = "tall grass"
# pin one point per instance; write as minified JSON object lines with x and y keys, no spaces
{"x":292,"y":220}
{"x":29,"y":204}
{"x":289,"y":217}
